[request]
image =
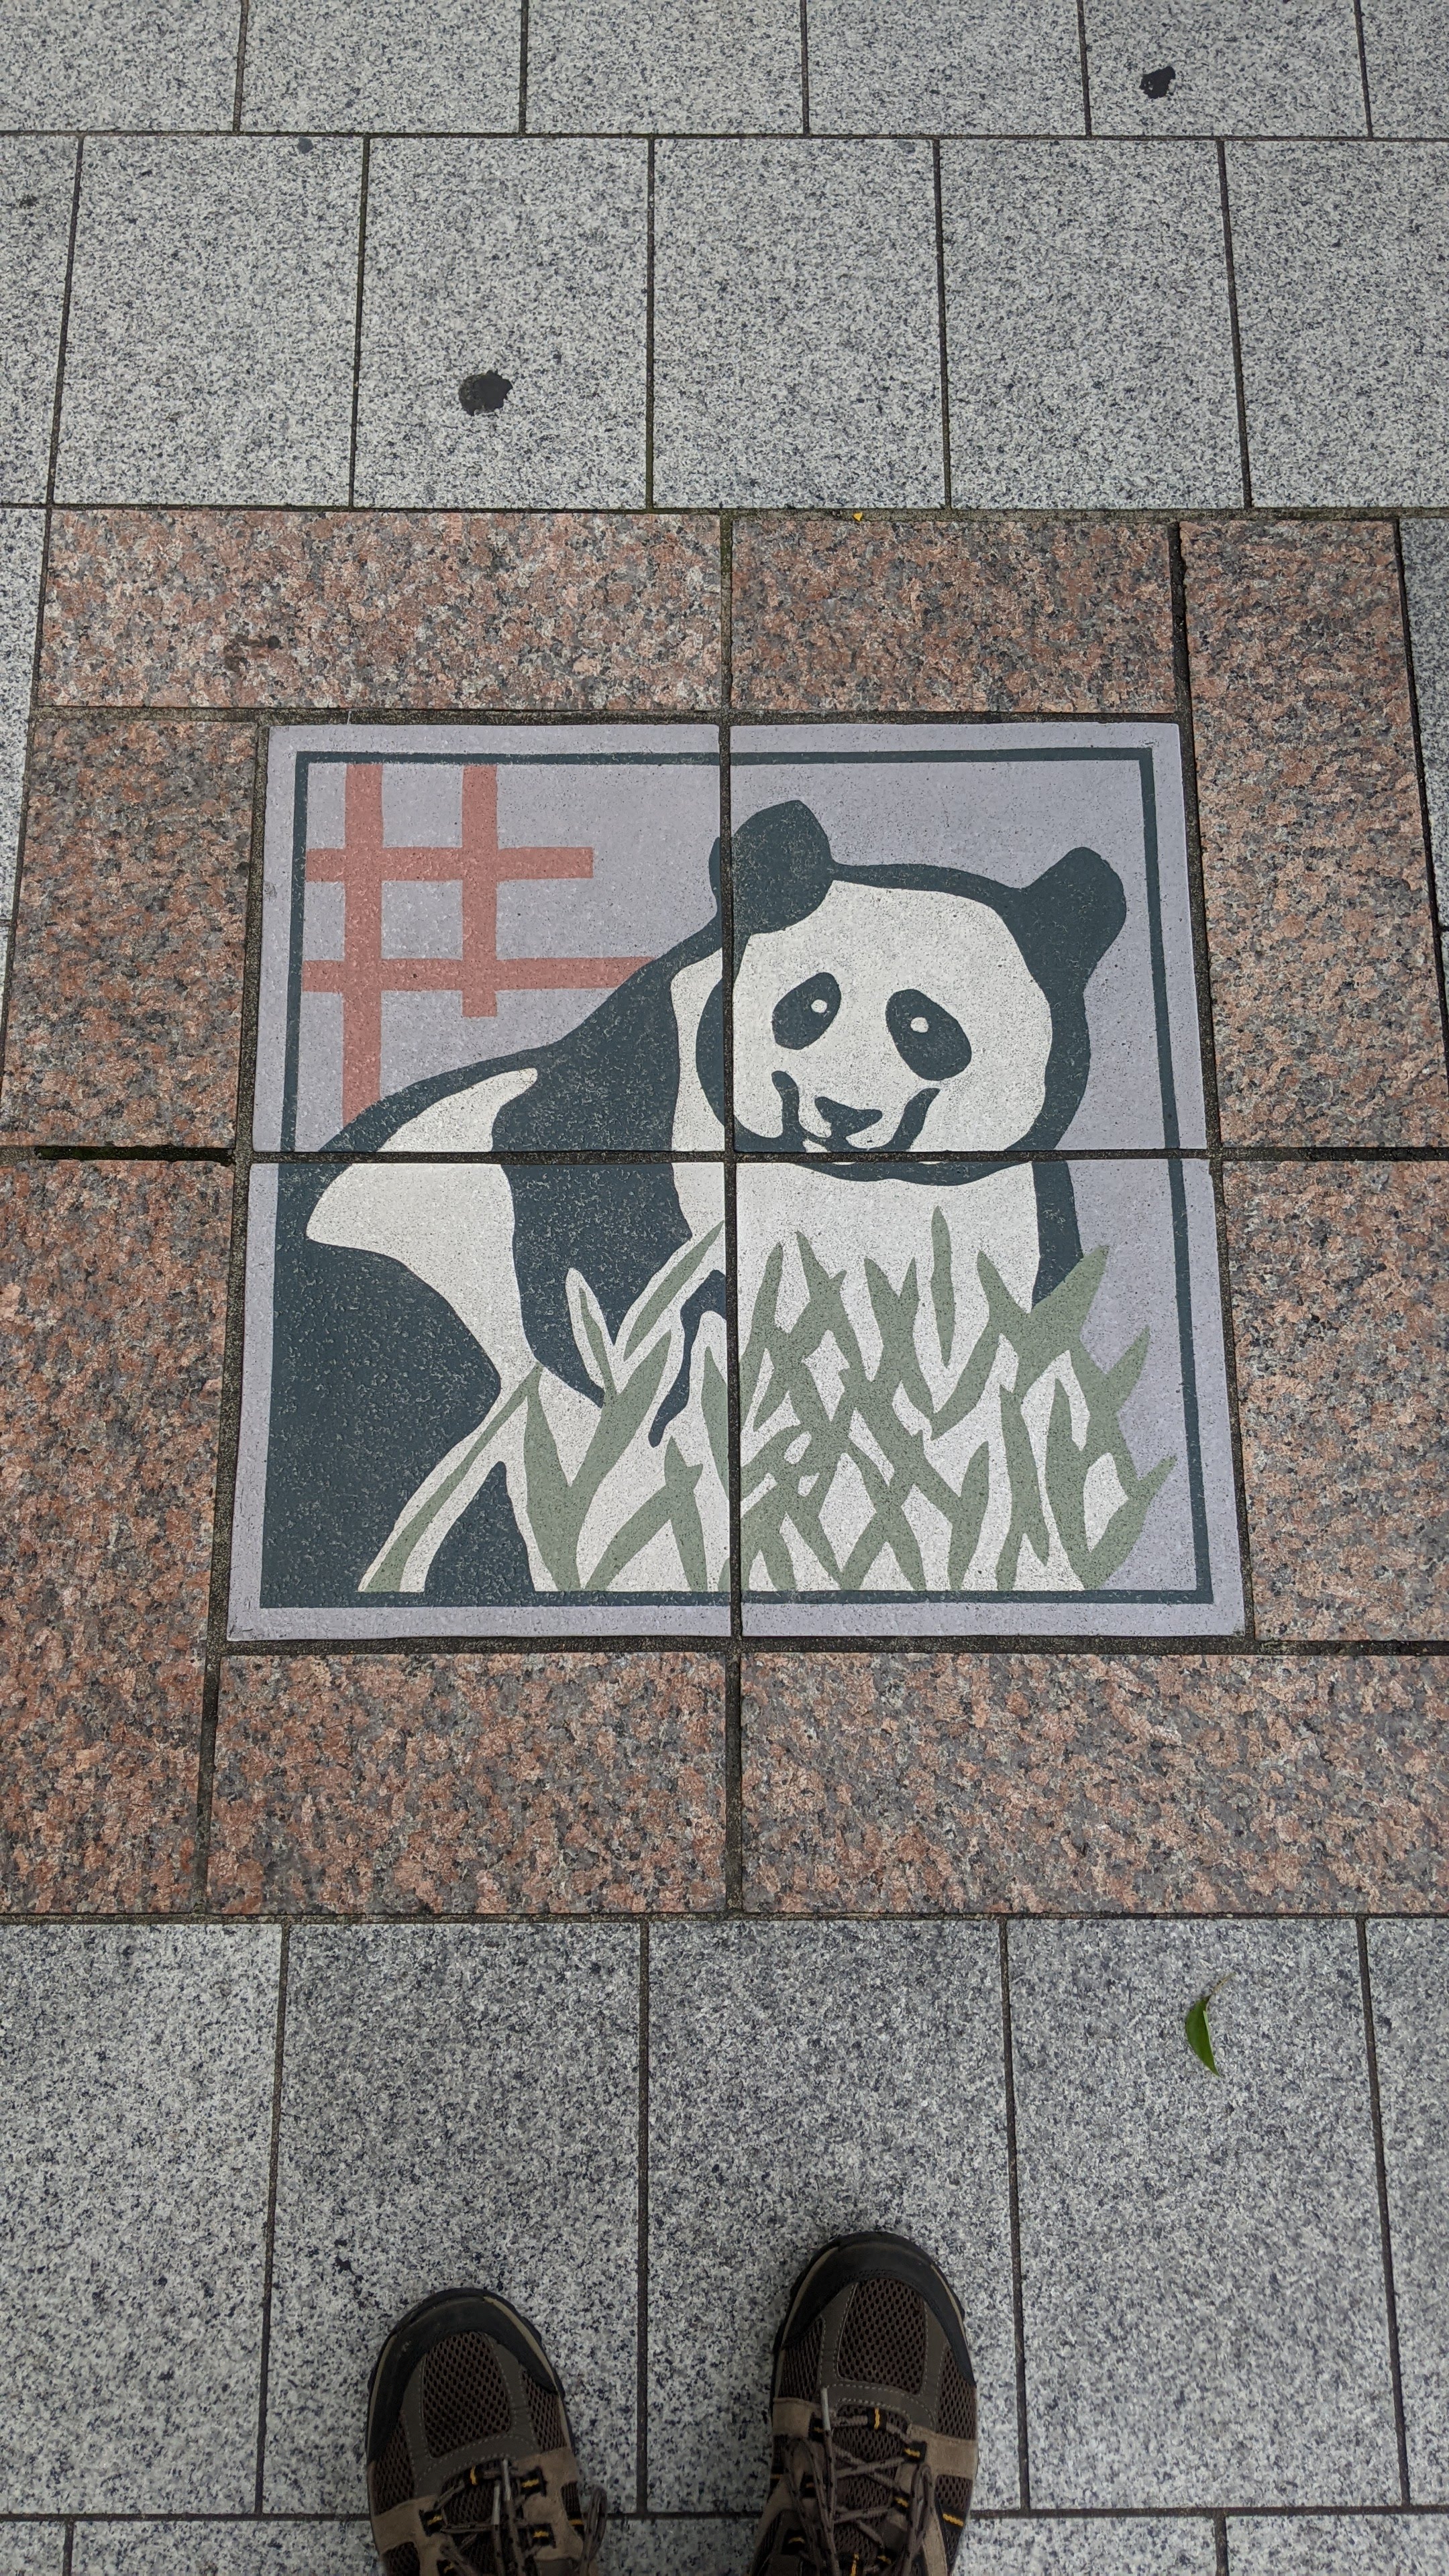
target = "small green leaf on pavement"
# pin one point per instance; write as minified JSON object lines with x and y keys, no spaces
{"x":1195,"y":2024}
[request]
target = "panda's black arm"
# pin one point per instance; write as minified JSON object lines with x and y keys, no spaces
{"x":1059,"y":1239}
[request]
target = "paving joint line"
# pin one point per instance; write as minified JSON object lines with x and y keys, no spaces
{"x":585,"y":1918}
{"x":1363,"y":71}
{"x":1082,"y":52}
{"x":1013,"y":2203}
{"x":1235,"y":330}
{"x":270,"y":2234}
{"x":649,"y":330}
{"x":1437,"y":926}
{"x":241,"y":64}
{"x":941,"y":329}
{"x":804,"y":68}
{"x":641,"y":2326}
{"x":522,"y":67}
{"x":357,"y":322}
{"x":1381,"y":2174}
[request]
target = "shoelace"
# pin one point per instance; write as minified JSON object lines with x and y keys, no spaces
{"x":817,"y":2467}
{"x":514,"y":2549}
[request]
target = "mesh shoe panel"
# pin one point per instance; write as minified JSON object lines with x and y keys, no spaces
{"x":800,"y":2364}
{"x":464,"y":2397}
{"x":392,"y":2475}
{"x":884,"y":2342}
{"x":402,"y":2562}
{"x":545,"y":2415}
{"x":957,"y":2408}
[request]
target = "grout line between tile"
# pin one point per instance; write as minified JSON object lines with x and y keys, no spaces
{"x":726,"y":608}
{"x":641,"y":2331}
{"x":1233,"y":326}
{"x":1018,"y":2303}
{"x":941,"y":324}
{"x":1385,"y":145}
{"x":67,"y":2556}
{"x":1381,"y":2170}
{"x":1363,"y":73}
{"x":1086,"y":74}
{"x":1438,"y":929}
{"x":243,"y":16}
{"x":273,"y":2160}
{"x":357,"y":321}
{"x":649,"y":334}
{"x":523,"y":66}
{"x":734,"y":1817}
{"x":1220,"y":2543}
{"x":804,"y":67}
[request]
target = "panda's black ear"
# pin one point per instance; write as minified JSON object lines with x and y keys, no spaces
{"x":780,"y":870}
{"x":1068,"y":919}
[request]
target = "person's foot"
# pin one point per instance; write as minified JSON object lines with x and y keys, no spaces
{"x":873,"y":2413}
{"x":470,"y":2459}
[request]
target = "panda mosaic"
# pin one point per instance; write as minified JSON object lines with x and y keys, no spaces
{"x":495,"y":1381}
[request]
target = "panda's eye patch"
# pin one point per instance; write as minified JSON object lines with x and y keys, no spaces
{"x":804,"y":1014}
{"x":933,"y":1044}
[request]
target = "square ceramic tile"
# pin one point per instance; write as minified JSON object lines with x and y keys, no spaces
{"x":859,"y":2067}
{"x":1201,"y":2260}
{"x":270,"y":2548}
{"x":929,"y":67}
{"x":1325,"y":2544}
{"x":1426,"y":576}
{"x":1406,"y":47}
{"x":212,"y":321}
{"x":485,"y":950}
{"x":633,"y":66}
{"x":135,"y":2120}
{"x":143,"y":63}
{"x":38,"y":2549}
{"x":1224,"y":67}
{"x":355,"y":65}
{"x":796,"y":331}
{"x":460,"y":2104}
{"x":1049,"y":410}
{"x":1034,"y":2546}
{"x":692,"y":2545}
{"x":503,"y":335}
{"x":1409,"y":1969}
{"x":37,"y":184}
{"x":1342,"y":264}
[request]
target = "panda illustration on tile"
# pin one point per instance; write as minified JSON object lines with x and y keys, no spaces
{"x":497,"y":1380}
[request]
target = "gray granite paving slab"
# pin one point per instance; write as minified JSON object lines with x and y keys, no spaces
{"x":460,"y":2104}
{"x":1205,"y":2317}
{"x":1033,"y":2546}
{"x":931,"y":67}
{"x":1406,"y":48}
{"x":1409,"y":1974}
{"x":21,"y":537}
{"x":362,"y":65}
{"x":1426,"y":578}
{"x":707,"y":2545}
{"x":796,"y":344}
{"x":1053,"y":405}
{"x":142,"y":63}
{"x":1342,"y":262}
{"x":213,"y":304}
{"x":1314,"y":2544}
{"x":135,"y":2110}
{"x":32,"y":2548}
{"x":522,"y":262}
{"x":224,"y":2549}
{"x":805,"y":2081}
{"x":635,"y":66}
{"x":1224,"y":67}
{"x":37,"y":181}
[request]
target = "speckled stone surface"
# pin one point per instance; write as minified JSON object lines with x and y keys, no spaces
{"x":636,"y":66}
{"x":1200,"y":2256}
{"x":114,"y":63}
{"x":1056,"y":1784}
{"x":470,"y":1784}
{"x":109,"y":1406}
{"x":1325,"y":1006}
{"x":1048,"y":410}
{"x":1008,"y":616}
{"x":1404,"y":42}
{"x":928,"y":67}
{"x":21,"y":532}
{"x":135,"y":2118}
{"x":802,"y":2082}
{"x":460,"y":2103}
{"x":1338,"y":2544}
{"x":244,"y":608}
{"x":125,"y":1000}
{"x":399,"y":64}
{"x":224,"y":2549}
{"x":1342,"y":266}
{"x":704,"y":2545}
{"x":213,"y":300}
{"x":1409,"y":1976}
{"x":32,"y":2548}
{"x":1290,"y":68}
{"x":1426,"y":580}
{"x":1340,"y":1279}
{"x":1105,"y":2547}
{"x":36,"y":184}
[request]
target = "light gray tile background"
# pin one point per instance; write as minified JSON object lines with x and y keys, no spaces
{"x":1053,"y":403}
{"x":1241,"y":66}
{"x":224,"y":2549}
{"x":32,"y":2548}
{"x":932,"y":67}
{"x":135,"y":2093}
{"x":1205,"y":2319}
{"x":1339,"y":2545}
{"x":37,"y":183}
{"x":209,"y":356}
{"x":1406,"y":46}
{"x":1426,"y":579}
{"x":712,"y":2545}
{"x":1342,"y":261}
{"x":460,"y":2104}
{"x":1409,"y":1975}
{"x":144,"y":63}
{"x":526,"y":259}
{"x":806,"y":2081}
{"x":393,"y":64}
{"x":1103,"y":2548}
{"x":796,"y":340}
{"x":632,"y":66}
{"x":21,"y":535}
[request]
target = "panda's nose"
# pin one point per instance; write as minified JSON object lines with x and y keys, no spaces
{"x":842,"y":1120}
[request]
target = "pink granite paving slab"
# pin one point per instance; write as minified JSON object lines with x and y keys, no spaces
{"x":978,"y":616}
{"x":1135,"y":1784}
{"x":125,"y":997}
{"x":470,"y":1784}
{"x":112,"y":1299}
{"x":1325,"y":1007}
{"x":1340,"y":1283}
{"x":242,"y":608}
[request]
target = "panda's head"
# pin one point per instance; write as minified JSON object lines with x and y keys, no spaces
{"x":881,"y":1009}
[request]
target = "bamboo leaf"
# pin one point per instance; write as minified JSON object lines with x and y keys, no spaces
{"x":670,"y":1284}
{"x":969,"y":1516}
{"x":680,"y":1481}
{"x":1065,"y":1481}
{"x":943,"y":1284}
{"x":1124,"y":1528}
{"x":591,"y":1333}
{"x":714,"y":1405}
{"x":552,"y":1512}
{"x":636,"y":1532}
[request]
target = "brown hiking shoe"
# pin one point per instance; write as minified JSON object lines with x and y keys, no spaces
{"x":470,"y":2459}
{"x":873,"y":2410}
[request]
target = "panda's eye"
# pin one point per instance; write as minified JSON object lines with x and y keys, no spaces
{"x":804,"y":1014}
{"x":933,"y":1044}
